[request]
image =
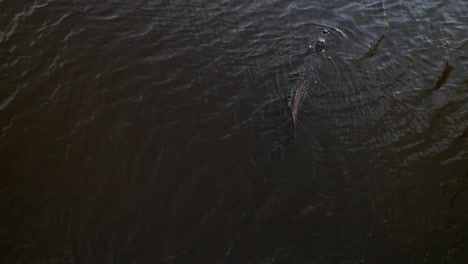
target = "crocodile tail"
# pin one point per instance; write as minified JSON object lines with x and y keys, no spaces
{"x":282,"y":134}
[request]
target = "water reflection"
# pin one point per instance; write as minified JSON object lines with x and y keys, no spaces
{"x":142,"y":133}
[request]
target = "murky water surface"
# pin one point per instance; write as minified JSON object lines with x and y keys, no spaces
{"x":159,"y":132}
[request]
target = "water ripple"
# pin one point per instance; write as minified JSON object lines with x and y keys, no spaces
{"x":181,"y":106}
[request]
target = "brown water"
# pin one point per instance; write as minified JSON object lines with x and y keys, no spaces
{"x":144,"y":132}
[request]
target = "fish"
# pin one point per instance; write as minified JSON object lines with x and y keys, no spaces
{"x":309,"y":209}
{"x":444,"y":77}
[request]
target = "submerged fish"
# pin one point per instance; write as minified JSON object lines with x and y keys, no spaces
{"x":309,"y":76}
{"x":309,"y":209}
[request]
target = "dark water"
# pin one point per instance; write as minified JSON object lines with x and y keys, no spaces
{"x":142,"y":132}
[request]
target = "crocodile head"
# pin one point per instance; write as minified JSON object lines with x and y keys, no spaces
{"x":320,"y":43}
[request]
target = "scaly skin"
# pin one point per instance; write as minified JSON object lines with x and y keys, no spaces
{"x":309,"y":76}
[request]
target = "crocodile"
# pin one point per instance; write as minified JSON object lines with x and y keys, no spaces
{"x":309,"y":76}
